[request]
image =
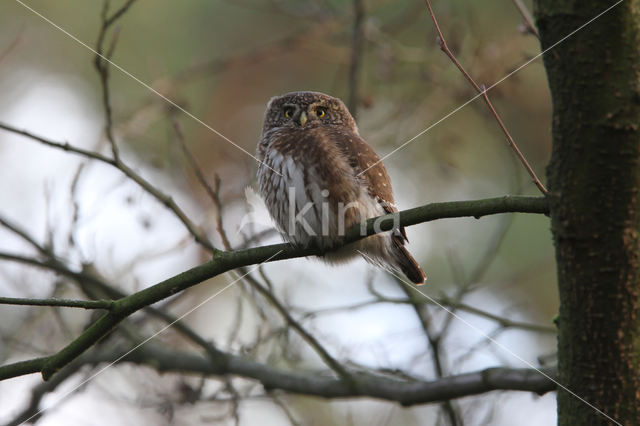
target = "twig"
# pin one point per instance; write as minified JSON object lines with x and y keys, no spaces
{"x":118,"y":14}
{"x":102,"y":66}
{"x":465,"y":283}
{"x":87,"y":278}
{"x":102,"y":63}
{"x":482,"y":90}
{"x":234,"y":330}
{"x":257,"y":237}
{"x":528,"y":19}
{"x":312,"y":341}
{"x":512,"y":143}
{"x":75,"y":205}
{"x":234,"y":399}
{"x":214,"y":194}
{"x":127,"y":171}
{"x":434,"y":340}
{"x":22,"y":234}
{"x":32,"y":412}
{"x":191,"y":159}
{"x":180,"y":326}
{"x":219,"y":207}
{"x":492,"y":335}
{"x":453,"y":305}
{"x":66,"y":303}
{"x":12,"y":46}
{"x":286,"y":410}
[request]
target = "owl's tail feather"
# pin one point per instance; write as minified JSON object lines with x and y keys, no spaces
{"x":408,"y":265}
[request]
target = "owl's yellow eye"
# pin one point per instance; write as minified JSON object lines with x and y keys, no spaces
{"x":288,"y":112}
{"x":321,"y":112}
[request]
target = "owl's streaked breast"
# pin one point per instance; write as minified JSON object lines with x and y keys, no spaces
{"x":316,"y":196}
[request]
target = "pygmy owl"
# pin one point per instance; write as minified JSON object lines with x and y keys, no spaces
{"x":328,"y":179}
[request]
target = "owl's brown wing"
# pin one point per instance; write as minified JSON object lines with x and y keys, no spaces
{"x":363,"y":158}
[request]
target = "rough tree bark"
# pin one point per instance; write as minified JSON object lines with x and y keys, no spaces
{"x":593,"y":178}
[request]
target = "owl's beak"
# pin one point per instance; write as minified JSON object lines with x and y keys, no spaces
{"x":303,"y":118}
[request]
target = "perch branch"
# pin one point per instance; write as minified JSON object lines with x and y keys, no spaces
{"x":226,"y":261}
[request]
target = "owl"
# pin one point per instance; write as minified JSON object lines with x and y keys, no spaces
{"x":318,"y":178}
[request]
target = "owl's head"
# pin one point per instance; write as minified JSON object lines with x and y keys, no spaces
{"x":307,"y":110}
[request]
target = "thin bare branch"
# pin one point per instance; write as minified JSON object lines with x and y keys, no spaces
{"x":191,"y":159}
{"x":214,"y":193}
{"x":482,"y":90}
{"x":168,"y":201}
{"x":528,"y":19}
{"x":102,"y":66}
{"x":16,"y":229}
{"x":451,"y":304}
{"x":94,"y":286}
{"x":310,"y":339}
{"x":12,"y":46}
{"x":434,"y":340}
{"x":465,"y":283}
{"x":32,"y":412}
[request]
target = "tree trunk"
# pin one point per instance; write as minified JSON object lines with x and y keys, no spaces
{"x":593,"y":179}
